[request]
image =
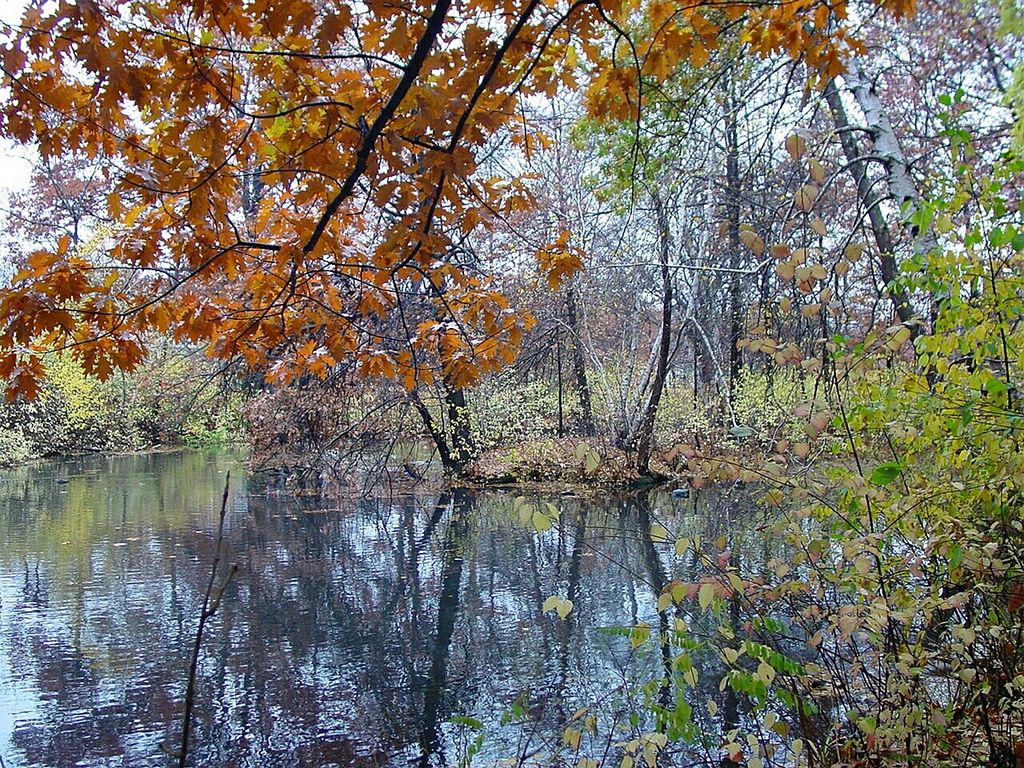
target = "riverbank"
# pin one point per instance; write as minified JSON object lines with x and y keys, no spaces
{"x":173,"y":400}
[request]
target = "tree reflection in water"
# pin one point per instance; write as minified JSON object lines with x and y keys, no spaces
{"x":353,"y":633}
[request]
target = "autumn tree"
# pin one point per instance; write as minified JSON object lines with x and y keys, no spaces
{"x":281,"y":173}
{"x":64,"y":197}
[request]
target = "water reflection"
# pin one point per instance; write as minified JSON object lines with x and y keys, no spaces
{"x":352,"y":634}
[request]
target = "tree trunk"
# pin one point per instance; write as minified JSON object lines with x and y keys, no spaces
{"x":897,"y":176}
{"x":449,"y":602}
{"x":463,"y":449}
{"x":437,"y":435}
{"x":900,"y":181}
{"x":454,"y":439}
{"x":645,"y":432}
{"x":732,"y":207}
{"x":887,"y":147}
{"x":579,"y":365}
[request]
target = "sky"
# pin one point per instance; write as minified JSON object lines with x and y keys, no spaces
{"x":14,"y":163}
{"x":15,"y":166}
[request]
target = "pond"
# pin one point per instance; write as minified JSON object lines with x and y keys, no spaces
{"x":402,"y":630}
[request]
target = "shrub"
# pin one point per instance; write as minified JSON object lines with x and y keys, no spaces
{"x":506,"y":412}
{"x":15,"y":448}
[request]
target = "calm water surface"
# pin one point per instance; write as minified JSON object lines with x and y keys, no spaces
{"x":398,"y":631}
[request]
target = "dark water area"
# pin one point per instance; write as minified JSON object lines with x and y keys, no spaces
{"x":383,"y":632}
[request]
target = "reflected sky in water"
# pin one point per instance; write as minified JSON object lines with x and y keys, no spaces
{"x":356,"y":632}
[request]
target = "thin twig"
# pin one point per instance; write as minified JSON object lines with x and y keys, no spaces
{"x":211,"y":602}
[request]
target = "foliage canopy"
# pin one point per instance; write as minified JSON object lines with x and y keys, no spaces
{"x":284,"y":178}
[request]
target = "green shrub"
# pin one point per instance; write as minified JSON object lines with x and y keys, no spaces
{"x":15,"y":448}
{"x":218,"y":422}
{"x":764,"y":403}
{"x":159,"y":404}
{"x":508,"y":412}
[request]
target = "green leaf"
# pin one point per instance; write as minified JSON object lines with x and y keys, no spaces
{"x":866,"y":724}
{"x":956,"y":556}
{"x":470,"y":722}
{"x":995,"y":386}
{"x":885,"y":473}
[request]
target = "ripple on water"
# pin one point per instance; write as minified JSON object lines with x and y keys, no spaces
{"x":347,"y":637}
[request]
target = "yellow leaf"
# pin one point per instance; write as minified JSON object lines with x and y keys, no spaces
{"x":862,"y":564}
{"x":564,"y":608}
{"x":898,"y":339}
{"x":706,"y":595}
{"x":572,"y":737}
{"x":559,"y":605}
{"x":690,"y":676}
{"x":572,"y":57}
{"x":639,"y":635}
{"x":817,"y":170}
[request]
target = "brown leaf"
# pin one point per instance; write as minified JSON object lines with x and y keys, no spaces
{"x":796,"y":146}
{"x":752,"y":241}
{"x":805,"y":197}
{"x":1015,"y":596}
